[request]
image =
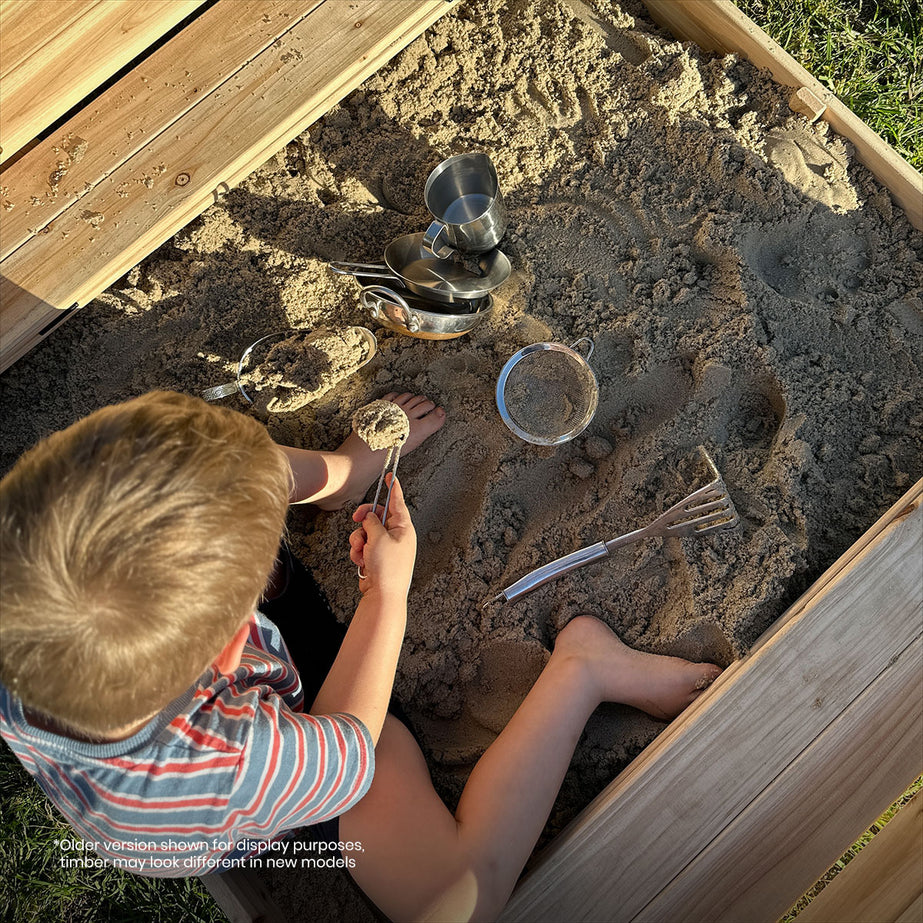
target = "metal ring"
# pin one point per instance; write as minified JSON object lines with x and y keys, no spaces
{"x":361,"y":575}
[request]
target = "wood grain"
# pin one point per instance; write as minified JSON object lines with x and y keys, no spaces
{"x":788,"y":837}
{"x":52,"y":176}
{"x":884,"y":883}
{"x":55,"y":52}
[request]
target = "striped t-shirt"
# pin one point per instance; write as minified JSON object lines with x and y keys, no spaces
{"x":227,"y":768}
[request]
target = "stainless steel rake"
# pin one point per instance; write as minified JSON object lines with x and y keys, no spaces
{"x":707,"y":509}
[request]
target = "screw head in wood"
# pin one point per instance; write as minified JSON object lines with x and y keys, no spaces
{"x":182,"y":179}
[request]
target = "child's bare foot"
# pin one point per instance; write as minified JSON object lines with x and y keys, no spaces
{"x":661,"y":686}
{"x":354,"y":467}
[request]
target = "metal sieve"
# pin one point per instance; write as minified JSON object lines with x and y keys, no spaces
{"x":547,"y":393}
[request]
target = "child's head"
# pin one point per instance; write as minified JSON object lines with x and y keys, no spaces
{"x":135,"y":543}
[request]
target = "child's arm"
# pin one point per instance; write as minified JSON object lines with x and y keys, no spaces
{"x":311,"y":473}
{"x":360,"y":681}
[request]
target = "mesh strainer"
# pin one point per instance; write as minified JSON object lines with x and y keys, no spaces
{"x":547,"y":393}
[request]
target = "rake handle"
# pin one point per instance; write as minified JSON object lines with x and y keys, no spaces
{"x":554,"y":569}
{"x":660,"y":526}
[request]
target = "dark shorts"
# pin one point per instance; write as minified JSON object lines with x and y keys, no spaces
{"x":313,"y":636}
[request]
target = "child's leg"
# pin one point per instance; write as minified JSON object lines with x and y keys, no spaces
{"x":420,"y":862}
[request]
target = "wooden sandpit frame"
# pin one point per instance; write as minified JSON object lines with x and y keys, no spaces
{"x":746,"y":799}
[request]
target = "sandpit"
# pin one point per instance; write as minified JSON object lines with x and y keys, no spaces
{"x":748,"y":285}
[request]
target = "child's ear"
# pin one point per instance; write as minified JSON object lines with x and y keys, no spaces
{"x":229,"y":658}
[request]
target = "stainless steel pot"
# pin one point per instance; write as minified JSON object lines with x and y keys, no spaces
{"x":416,"y":318}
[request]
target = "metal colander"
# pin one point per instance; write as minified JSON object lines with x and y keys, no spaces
{"x":547,"y":393}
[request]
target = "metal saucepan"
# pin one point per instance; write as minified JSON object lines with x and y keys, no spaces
{"x":416,"y":317}
{"x":442,"y":280}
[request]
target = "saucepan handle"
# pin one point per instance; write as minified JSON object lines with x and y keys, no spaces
{"x":374,"y":297}
{"x":369,"y":270}
{"x":431,"y":241}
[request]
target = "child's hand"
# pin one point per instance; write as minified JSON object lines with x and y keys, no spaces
{"x":385,"y":556}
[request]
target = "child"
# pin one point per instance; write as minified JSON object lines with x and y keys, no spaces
{"x":161,"y":711}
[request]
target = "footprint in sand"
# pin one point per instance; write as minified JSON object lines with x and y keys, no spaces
{"x":507,"y":670}
{"x":814,"y":262}
{"x":748,"y":410}
{"x":811,"y":167}
{"x":607,"y":228}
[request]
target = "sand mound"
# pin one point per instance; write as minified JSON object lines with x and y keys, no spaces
{"x":381,"y":425}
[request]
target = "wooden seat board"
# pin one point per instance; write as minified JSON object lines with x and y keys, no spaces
{"x":48,"y":179}
{"x":795,"y":829}
{"x":884,"y":883}
{"x":221,"y":139}
{"x":58,"y":51}
{"x":27,"y":27}
{"x":715,"y":761}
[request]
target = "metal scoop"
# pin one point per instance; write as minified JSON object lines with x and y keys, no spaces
{"x":391,"y":460}
{"x":706,"y":510}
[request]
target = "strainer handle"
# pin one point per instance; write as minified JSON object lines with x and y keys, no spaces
{"x":576,"y":344}
{"x":217,"y":392}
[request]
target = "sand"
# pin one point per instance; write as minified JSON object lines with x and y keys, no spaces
{"x":748,"y":285}
{"x":381,"y":425}
{"x":548,"y":395}
{"x":303,"y":366}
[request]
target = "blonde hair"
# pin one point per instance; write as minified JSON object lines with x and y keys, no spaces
{"x":135,"y":543}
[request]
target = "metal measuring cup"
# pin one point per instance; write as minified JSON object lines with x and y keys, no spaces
{"x":463,"y":195}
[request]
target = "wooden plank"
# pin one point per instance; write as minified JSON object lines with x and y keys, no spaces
{"x":785,"y":840}
{"x":718,"y":25}
{"x":51,"y":177}
{"x":55,"y":52}
{"x":717,"y":758}
{"x":27,"y":24}
{"x":884,"y":883}
{"x":219,"y":141}
{"x":242,"y":897}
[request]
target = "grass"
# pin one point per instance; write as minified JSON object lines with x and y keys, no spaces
{"x":34,"y":888}
{"x":868,"y":52}
{"x":852,"y":852}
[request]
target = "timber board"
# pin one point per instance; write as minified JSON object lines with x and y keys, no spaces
{"x":145,"y":200}
{"x":55,"y":52}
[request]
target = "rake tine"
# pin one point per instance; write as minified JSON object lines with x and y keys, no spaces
{"x":694,"y":525}
{"x":719,"y":522}
{"x":702,"y":508}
